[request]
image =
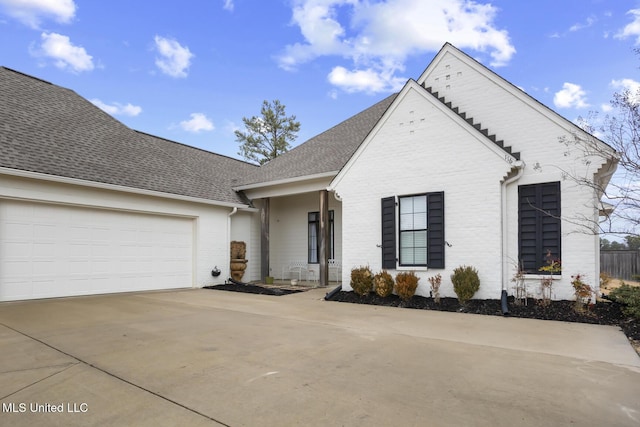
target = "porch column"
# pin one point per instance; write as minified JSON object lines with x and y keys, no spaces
{"x":323,"y":256}
{"x":264,"y":239}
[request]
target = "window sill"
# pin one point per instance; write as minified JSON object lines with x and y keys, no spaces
{"x":542,"y":276}
{"x":412,"y":268}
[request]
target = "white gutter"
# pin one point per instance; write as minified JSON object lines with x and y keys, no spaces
{"x":228,"y":266}
{"x":503,"y":220}
{"x":114,"y":187}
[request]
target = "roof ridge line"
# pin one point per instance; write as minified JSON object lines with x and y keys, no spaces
{"x":26,"y":75}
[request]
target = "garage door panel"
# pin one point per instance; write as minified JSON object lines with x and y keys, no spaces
{"x":41,"y":249}
{"x":15,"y":229}
{"x":49,"y":250}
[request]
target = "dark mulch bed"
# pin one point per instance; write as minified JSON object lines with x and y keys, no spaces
{"x":254,"y":289}
{"x":602,"y":313}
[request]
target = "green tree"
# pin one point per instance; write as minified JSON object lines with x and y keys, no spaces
{"x":606,"y":245}
{"x":269,"y":135}
{"x":633,"y":242}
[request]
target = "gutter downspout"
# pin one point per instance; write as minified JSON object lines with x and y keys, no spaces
{"x":605,"y":177}
{"x":228,"y":264}
{"x":503,"y":223}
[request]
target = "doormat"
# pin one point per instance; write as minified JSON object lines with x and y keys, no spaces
{"x":256,"y":289}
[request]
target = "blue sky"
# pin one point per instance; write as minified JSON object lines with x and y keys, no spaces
{"x":190,"y":70}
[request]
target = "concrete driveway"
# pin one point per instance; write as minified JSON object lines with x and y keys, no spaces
{"x":207,"y":358}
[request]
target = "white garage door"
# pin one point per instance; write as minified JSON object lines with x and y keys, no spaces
{"x":53,"y":250}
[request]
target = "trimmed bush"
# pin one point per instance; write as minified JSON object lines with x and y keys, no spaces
{"x":383,"y":284}
{"x":630,"y":297}
{"x":361,"y":280}
{"x":406,"y":285}
{"x":465,"y":283}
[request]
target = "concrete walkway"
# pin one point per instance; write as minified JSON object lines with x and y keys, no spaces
{"x":202,"y":357}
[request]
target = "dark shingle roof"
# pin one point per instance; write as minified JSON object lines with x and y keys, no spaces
{"x":52,"y":130}
{"x":323,"y":153}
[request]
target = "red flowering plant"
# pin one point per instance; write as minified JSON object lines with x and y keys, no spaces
{"x":582,"y":291}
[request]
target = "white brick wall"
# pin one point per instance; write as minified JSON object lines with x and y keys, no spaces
{"x":418,"y":148}
{"x":533,"y":130}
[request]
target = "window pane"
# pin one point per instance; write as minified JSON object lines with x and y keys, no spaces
{"x":406,"y":239}
{"x":406,"y":205}
{"x":406,"y":221}
{"x":420,"y":204}
{"x":406,"y":257}
{"x":413,"y":230}
{"x":420,"y":239}
{"x":419,"y":220}
{"x":313,"y":243}
{"x":420,"y":256}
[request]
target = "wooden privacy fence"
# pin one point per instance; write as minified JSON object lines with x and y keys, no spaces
{"x":620,"y":264}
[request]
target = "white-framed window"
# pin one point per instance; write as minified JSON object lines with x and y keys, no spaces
{"x":413,"y":230}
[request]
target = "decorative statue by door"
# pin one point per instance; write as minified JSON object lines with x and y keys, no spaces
{"x":238,"y":260}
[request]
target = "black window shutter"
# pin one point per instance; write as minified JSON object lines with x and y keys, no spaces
{"x":539,"y":231}
{"x":435,"y":230}
{"x":389,"y":233}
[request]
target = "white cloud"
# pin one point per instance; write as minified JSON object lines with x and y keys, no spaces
{"x":198,"y":123}
{"x":606,"y":108}
{"x":630,"y":86}
{"x":32,"y":12}
{"x":582,"y":25}
{"x":631,"y":29}
{"x":174,"y":59}
{"x":571,"y":96}
{"x":228,"y":5}
{"x":378,"y":37}
{"x":367,"y":80}
{"x":66,"y":56}
{"x":117,"y":109}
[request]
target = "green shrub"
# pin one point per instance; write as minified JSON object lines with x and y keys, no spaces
{"x":465,"y":283}
{"x":630,"y":296}
{"x":361,"y":280}
{"x":383,"y":284}
{"x":406,"y":285}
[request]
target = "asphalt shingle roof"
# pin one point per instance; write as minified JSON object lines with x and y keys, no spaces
{"x":326,"y":152}
{"x":52,"y":130}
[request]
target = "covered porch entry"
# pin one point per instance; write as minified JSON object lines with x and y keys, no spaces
{"x":301,"y":237}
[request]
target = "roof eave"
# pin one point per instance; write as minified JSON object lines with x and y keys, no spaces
{"x":285,"y":181}
{"x":114,"y":187}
